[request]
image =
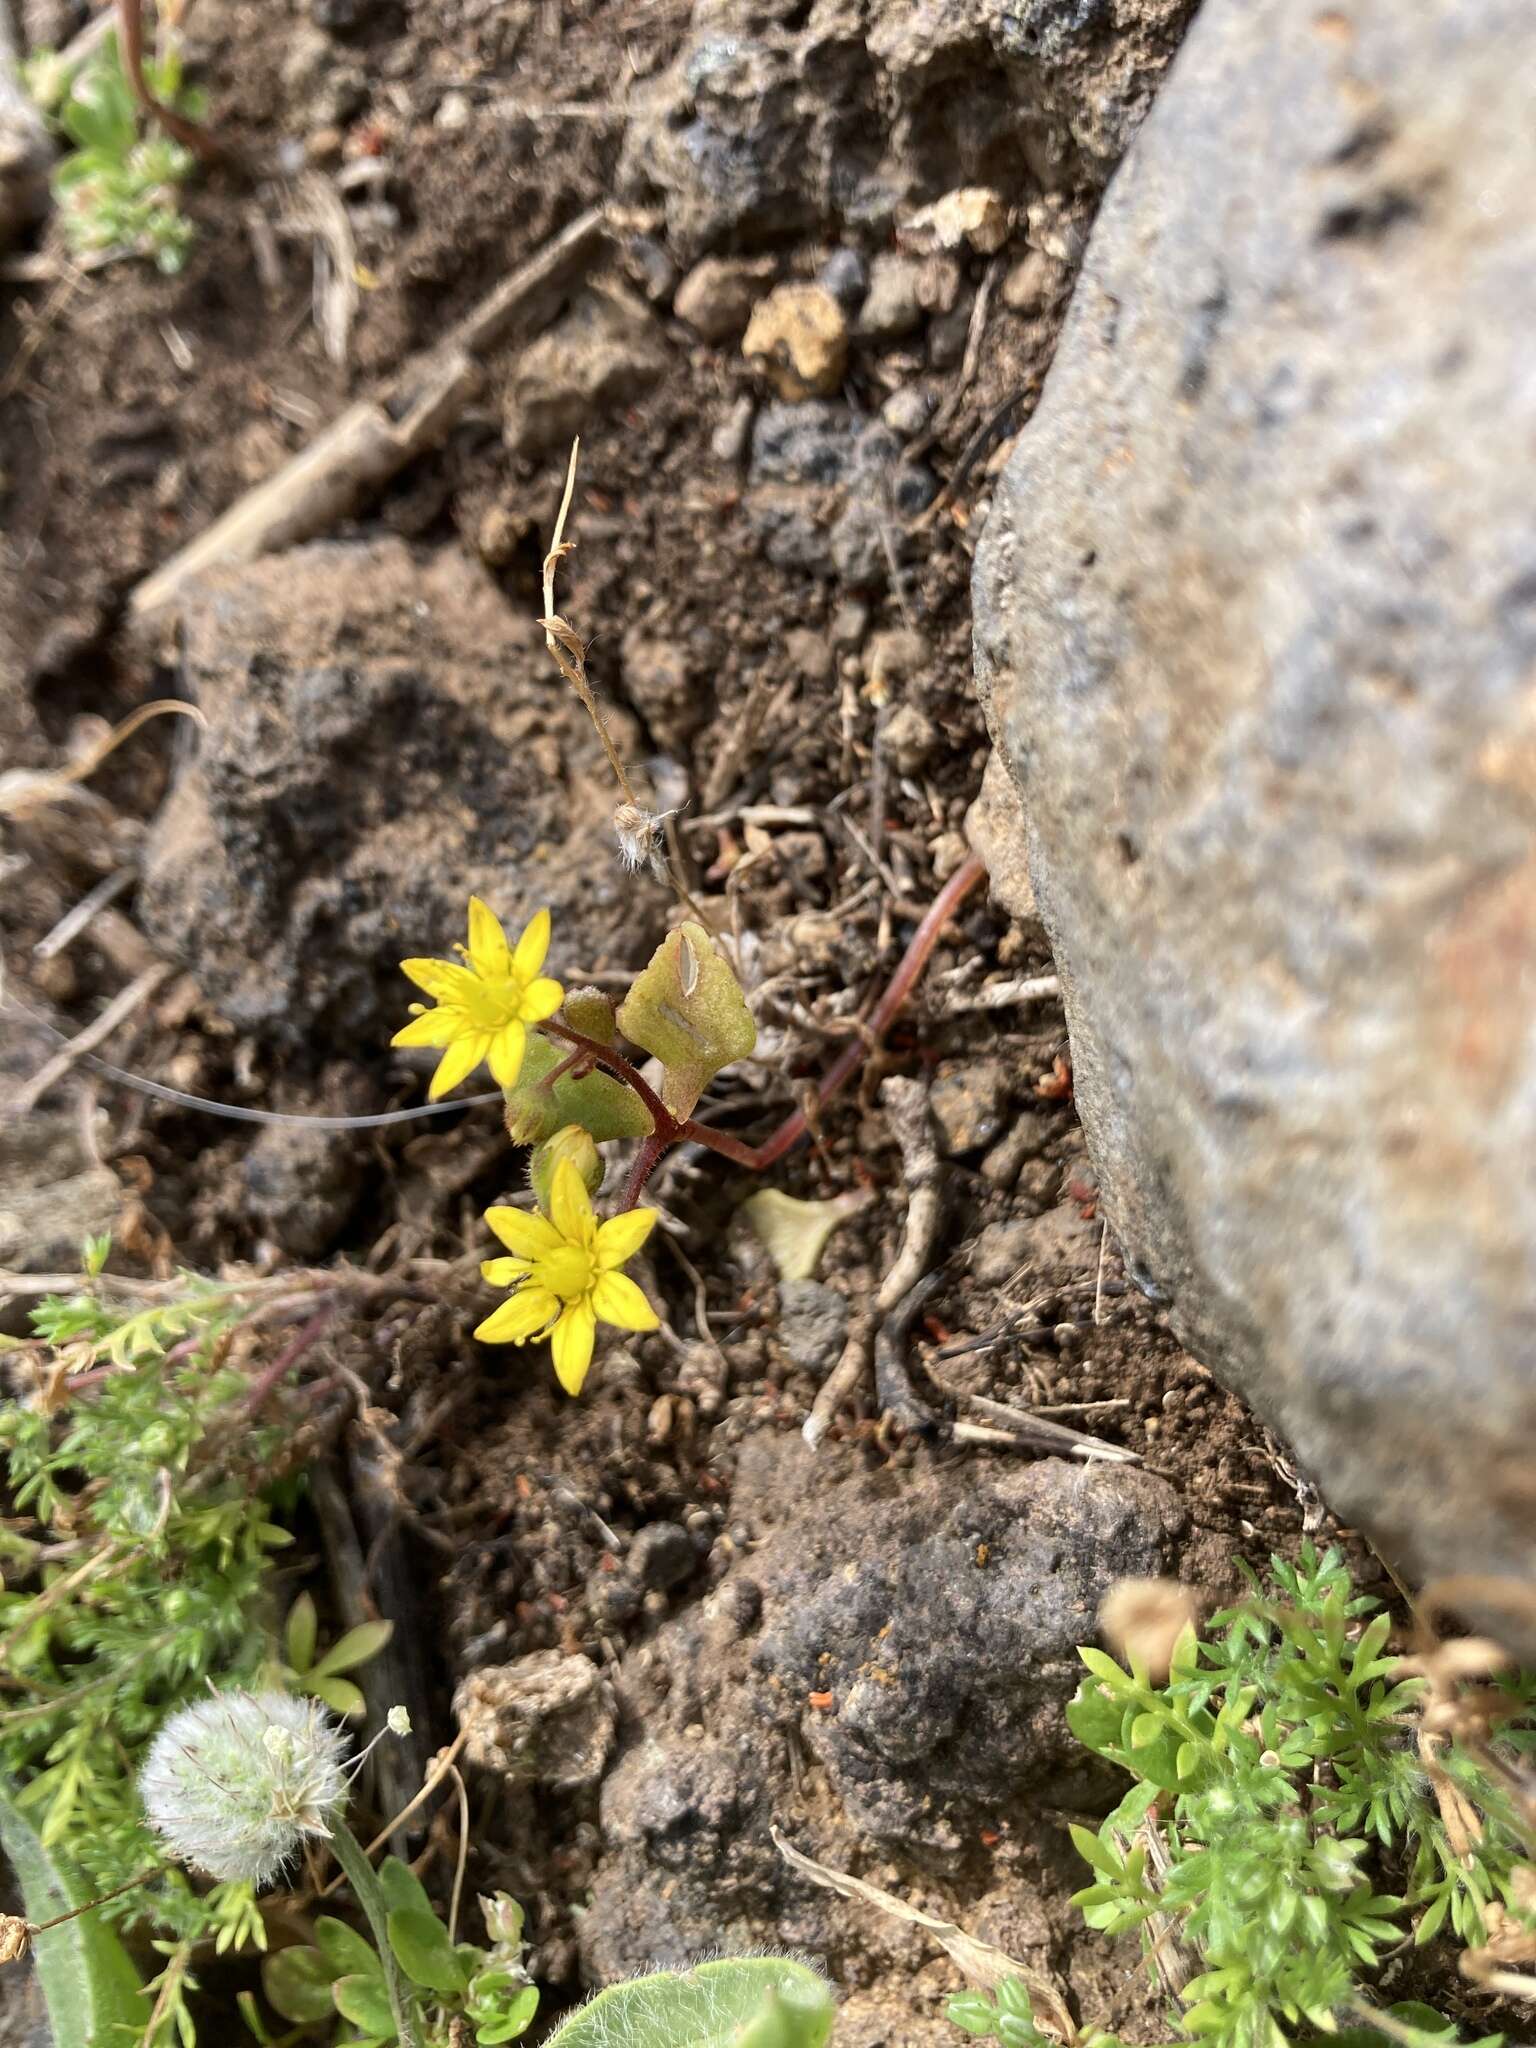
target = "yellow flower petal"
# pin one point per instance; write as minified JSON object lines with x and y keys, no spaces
{"x":458,"y":1063}
{"x":505,"y":1272}
{"x":617,"y":1300}
{"x":521,"y":1232}
{"x":506,"y":1054}
{"x":532,"y":946}
{"x":540,"y":999}
{"x":571,"y":1345}
{"x":489,"y":953}
{"x":443,"y":980}
{"x":524,"y":1315}
{"x":432,"y":1027}
{"x":622,"y":1236}
{"x":570,"y":1206}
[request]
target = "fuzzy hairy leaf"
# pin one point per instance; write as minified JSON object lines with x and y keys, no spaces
{"x":90,"y":1987}
{"x":746,"y":2002}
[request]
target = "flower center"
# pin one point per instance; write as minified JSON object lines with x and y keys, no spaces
{"x":568,"y":1271}
{"x":491,"y":1004}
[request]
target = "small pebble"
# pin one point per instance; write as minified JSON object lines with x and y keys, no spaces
{"x":908,"y":411}
{"x":846,"y":276}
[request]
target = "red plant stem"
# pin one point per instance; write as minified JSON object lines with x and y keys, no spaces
{"x":620,"y":1068}
{"x":646,"y":1159}
{"x":898,"y":988}
{"x":130,"y":23}
{"x":271,"y":1376}
{"x":671,"y":1130}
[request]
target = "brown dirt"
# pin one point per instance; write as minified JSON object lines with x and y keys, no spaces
{"x":111,"y":455}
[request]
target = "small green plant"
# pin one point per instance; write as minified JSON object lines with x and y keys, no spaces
{"x":341,"y":1980}
{"x":118,"y":191}
{"x":1291,"y":1820}
{"x":146,"y":1492}
{"x":307,"y":1668}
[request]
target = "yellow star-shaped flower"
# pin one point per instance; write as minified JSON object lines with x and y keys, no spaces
{"x":564,"y":1272}
{"x":485,"y":1006}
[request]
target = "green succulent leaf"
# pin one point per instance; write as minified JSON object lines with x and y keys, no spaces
{"x":604,"y":1107}
{"x":348,"y":1953}
{"x":687,"y":1010}
{"x":365,"y":2002}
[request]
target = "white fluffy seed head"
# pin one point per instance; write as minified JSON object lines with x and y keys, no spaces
{"x":233,"y":1784}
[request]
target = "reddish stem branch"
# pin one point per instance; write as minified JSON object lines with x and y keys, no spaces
{"x":899,"y":987}
{"x":670,"y":1130}
{"x":666,"y":1123}
{"x":130,"y":21}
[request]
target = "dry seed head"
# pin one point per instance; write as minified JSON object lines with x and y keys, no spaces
{"x":642,"y":841}
{"x":235,"y":1783}
{"x":15,"y":1938}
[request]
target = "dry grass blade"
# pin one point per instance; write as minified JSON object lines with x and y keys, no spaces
{"x":977,"y":1961}
{"x":23,"y":792}
{"x":316,"y":210}
{"x":565,"y":644}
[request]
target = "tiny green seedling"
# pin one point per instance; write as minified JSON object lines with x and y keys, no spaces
{"x":118,"y":191}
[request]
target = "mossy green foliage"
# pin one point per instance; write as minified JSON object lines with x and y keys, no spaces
{"x":1278,"y":1769}
{"x":156,"y":1488}
{"x":738,"y":2002}
{"x":687,"y":1009}
{"x":117,"y":191}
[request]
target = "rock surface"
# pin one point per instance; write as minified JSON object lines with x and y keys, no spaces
{"x":1256,"y":630}
{"x":915,"y":1638}
{"x":776,"y":120}
{"x":385,"y":736}
{"x":52,"y":1195}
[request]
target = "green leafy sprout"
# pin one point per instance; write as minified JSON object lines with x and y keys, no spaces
{"x":118,"y":191}
{"x":1282,"y":1833}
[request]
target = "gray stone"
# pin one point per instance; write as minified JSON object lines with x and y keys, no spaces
{"x":891,"y":309}
{"x":808,"y":443}
{"x":1000,"y":1250}
{"x":766,"y":127}
{"x":813,"y":1322}
{"x":717,"y":296}
{"x":994,"y":830}
{"x":969,"y":1099}
{"x":658,"y":683}
{"x":385,"y":737}
{"x":845,"y":275}
{"x":546,"y":1719}
{"x":52,"y":1195}
{"x":649,"y":264}
{"x":301,"y":1185}
{"x":662,"y":1555}
{"x":1256,"y":631}
{"x":907,"y":411}
{"x":948,"y":1641}
{"x":604,"y":352}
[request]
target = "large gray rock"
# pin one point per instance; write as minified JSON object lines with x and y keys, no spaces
{"x":1256,"y":631}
